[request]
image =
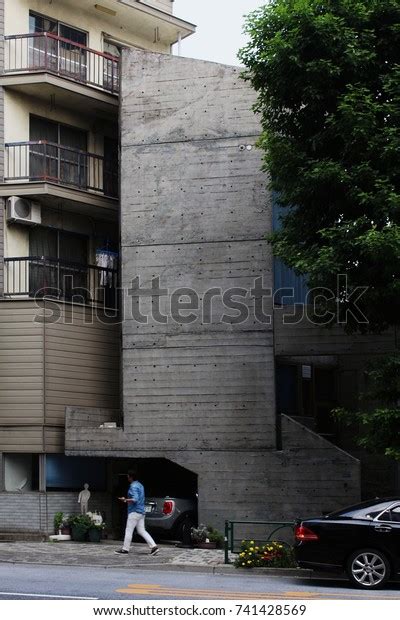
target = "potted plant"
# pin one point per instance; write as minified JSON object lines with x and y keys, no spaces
{"x":80,"y":525}
{"x":200,"y":538}
{"x":95,"y":532}
{"x":58,"y":522}
{"x":214,"y":536}
{"x":65,"y":528}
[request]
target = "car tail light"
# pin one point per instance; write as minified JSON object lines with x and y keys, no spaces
{"x":168,"y":507}
{"x":304,"y":533}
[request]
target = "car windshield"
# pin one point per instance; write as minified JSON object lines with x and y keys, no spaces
{"x":366,"y":510}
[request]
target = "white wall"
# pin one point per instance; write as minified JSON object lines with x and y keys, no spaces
{"x":80,"y":15}
{"x":17,"y":110}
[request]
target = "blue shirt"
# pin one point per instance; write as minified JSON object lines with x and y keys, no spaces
{"x":136,"y":492}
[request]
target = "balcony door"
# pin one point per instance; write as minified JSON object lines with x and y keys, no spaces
{"x":58,"y":153}
{"x":65,"y":54}
{"x":58,"y":263}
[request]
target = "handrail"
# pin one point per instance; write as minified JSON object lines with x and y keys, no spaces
{"x":47,"y":52}
{"x":39,"y":277}
{"x":57,"y":37}
{"x":59,"y":261}
{"x":43,"y":160}
{"x":229,"y":539}
{"x":55,"y":144}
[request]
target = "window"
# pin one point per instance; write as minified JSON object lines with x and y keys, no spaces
{"x":21,"y":472}
{"x":366,"y":510}
{"x":69,"y":473}
{"x":62,"y":158}
{"x":65,"y":268}
{"x":65,"y":55}
{"x":111,"y":67}
{"x":392,"y":515}
{"x":289,"y":288}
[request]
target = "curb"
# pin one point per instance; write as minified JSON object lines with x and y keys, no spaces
{"x":222,"y":569}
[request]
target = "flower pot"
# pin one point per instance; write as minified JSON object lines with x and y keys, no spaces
{"x":79,"y":533}
{"x":95,"y":535}
{"x":66,"y":531}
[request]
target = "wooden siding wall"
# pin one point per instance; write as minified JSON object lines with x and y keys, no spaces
{"x":46,"y":367}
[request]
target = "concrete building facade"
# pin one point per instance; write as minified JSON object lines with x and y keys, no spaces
{"x":200,"y":390}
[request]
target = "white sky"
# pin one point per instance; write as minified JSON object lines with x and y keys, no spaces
{"x":219,"y":27}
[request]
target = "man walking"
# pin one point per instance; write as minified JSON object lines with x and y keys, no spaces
{"x":136,"y":511}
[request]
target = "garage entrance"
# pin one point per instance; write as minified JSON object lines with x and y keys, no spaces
{"x":168,"y":486}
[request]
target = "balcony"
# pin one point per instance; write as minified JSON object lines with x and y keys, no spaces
{"x":37,"y":277}
{"x":49,"y":172}
{"x":42,"y":64}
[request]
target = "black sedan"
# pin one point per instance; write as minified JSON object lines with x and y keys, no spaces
{"x":363,"y":540}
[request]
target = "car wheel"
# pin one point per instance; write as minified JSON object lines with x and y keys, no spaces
{"x":183,"y":530}
{"x":368,"y":569}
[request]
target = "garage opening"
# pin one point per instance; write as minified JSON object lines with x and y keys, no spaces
{"x":171,"y":497}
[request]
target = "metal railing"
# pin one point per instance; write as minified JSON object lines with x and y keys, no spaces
{"x":40,"y":276}
{"x":45,"y":51}
{"x":41,"y":160}
{"x":230,"y":540}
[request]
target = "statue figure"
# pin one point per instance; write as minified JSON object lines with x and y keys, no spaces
{"x":83,"y":499}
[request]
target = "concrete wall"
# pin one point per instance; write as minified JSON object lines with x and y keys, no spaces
{"x":195,"y":212}
{"x":193,"y":386}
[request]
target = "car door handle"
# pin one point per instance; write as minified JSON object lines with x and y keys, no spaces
{"x":383,"y":528}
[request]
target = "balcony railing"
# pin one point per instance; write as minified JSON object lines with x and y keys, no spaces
{"x":54,"y":163}
{"x":44,"y":51}
{"x":37,"y":277}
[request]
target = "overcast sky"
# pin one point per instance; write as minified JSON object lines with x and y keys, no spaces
{"x":219,"y":27}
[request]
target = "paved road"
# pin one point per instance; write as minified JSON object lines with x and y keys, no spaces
{"x":62,"y":582}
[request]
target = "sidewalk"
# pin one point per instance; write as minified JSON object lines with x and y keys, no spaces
{"x":102,"y":555}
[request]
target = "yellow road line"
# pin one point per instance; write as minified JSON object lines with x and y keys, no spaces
{"x":158,"y":590}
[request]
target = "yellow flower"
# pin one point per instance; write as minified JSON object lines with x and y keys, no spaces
{"x":251,"y":549}
{"x":257,"y":548}
{"x":252,"y":542}
{"x":248,"y":562}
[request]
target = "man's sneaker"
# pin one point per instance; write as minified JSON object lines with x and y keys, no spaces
{"x":154,"y":551}
{"x":121,"y":552}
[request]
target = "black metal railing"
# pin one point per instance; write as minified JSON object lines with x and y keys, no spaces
{"x":41,"y":160}
{"x":266,"y":530}
{"x":40,"y":276}
{"x":44,"y":51}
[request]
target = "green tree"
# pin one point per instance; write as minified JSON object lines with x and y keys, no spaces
{"x":379,"y":428}
{"x":327,"y":74}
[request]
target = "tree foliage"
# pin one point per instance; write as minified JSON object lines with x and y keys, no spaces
{"x":380,"y":427}
{"x":327,"y":74}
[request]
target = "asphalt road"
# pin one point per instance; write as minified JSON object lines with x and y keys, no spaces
{"x":24,"y":582}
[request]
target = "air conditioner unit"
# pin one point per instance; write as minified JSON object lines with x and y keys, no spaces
{"x":23,"y":211}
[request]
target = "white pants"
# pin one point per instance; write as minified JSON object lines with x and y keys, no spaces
{"x":134,"y":522}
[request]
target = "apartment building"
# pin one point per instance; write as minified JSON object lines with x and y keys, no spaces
{"x":59,"y":220}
